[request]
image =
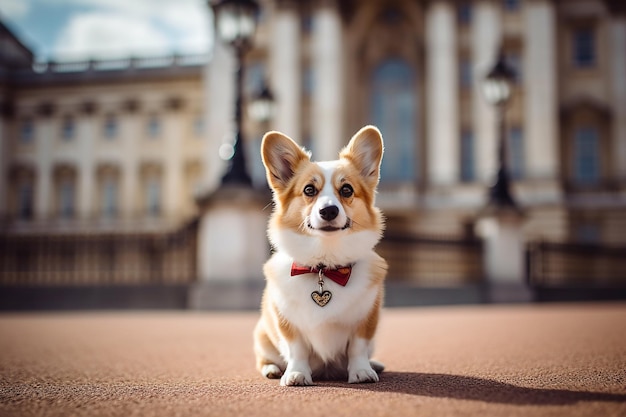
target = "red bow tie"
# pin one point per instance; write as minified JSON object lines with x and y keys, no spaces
{"x":340,"y":275}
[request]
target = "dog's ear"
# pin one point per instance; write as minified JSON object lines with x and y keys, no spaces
{"x":281,"y":156}
{"x":365,"y":151}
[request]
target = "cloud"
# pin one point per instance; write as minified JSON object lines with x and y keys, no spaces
{"x":109,"y":28}
{"x":184,"y":23}
{"x":14,"y":9}
{"x":106,"y":35}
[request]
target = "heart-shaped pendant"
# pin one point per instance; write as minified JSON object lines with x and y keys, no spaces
{"x":321,"y":298}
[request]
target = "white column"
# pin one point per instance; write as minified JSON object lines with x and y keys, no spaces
{"x":173,"y":179}
{"x":285,"y":70}
{"x":540,"y":91}
{"x":86,"y":166}
{"x":486,"y":38}
{"x":219,"y":90}
{"x":618,"y":83}
{"x":327,"y":57}
{"x":44,"y":137}
{"x":442,"y":94}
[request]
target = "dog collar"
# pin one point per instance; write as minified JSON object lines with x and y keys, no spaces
{"x":340,"y":275}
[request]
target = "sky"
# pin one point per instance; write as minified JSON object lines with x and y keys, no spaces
{"x":67,"y":30}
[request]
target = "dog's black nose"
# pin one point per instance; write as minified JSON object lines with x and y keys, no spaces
{"x":329,"y":213}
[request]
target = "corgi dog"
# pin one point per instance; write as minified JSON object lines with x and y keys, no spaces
{"x":324,"y":282}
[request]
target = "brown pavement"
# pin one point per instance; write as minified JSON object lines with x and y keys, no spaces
{"x":524,"y":360}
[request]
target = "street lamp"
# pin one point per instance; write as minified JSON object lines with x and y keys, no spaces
{"x":261,"y":106}
{"x":497,"y":91}
{"x":236,"y":23}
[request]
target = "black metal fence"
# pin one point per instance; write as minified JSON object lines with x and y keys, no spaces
{"x":433,"y":260}
{"x":552,"y":264}
{"x":116,"y":259}
{"x":99,"y":259}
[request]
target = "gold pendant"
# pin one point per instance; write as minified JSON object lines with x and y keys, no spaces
{"x":321,"y":298}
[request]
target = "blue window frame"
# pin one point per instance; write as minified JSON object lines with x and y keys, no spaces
{"x":468,"y":170}
{"x":67,"y":198}
{"x":466,"y":73}
{"x":464,"y":13}
{"x":25,"y":201}
{"x":27,"y":131}
{"x":153,"y":197}
{"x":109,"y":197}
{"x":110,"y":127}
{"x":584,"y":48}
{"x":393,"y":110}
{"x":511,"y":5}
{"x":68,"y":130}
{"x":586,"y":155}
{"x":154,"y":127}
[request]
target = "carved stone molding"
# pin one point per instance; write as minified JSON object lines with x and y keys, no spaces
{"x":46,"y":109}
{"x":174,"y":103}
{"x":88,"y":108}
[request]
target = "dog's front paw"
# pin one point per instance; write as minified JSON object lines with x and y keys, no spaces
{"x":271,"y":371}
{"x":295,"y":378}
{"x":362,"y":375}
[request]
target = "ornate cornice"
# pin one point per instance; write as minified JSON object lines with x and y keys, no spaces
{"x":46,"y":109}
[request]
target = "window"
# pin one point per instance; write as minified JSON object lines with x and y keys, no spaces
{"x":511,"y":5}
{"x":27,"y":131}
{"x":467,"y":156}
{"x":308,"y":82}
{"x":198,"y":126}
{"x":154,"y":127}
{"x":464,"y":13}
{"x":584,"y":48}
{"x":465,"y":73}
{"x":588,"y":233}
{"x":586,"y":155}
{"x":25,"y":201}
{"x":393,"y":106}
{"x":110,"y":127}
{"x":68,"y":128}
{"x":516,"y":153}
{"x":306,"y":23}
{"x":66,"y":198}
{"x":109,"y":197}
{"x":153,"y":197}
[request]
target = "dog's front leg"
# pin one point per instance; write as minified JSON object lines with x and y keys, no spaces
{"x":298,"y":370}
{"x":359,"y":367}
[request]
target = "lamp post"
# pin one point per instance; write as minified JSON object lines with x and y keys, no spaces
{"x":497,"y":91}
{"x":236,"y":23}
{"x":500,"y":223}
{"x":261,"y":106}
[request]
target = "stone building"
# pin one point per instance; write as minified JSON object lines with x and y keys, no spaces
{"x":125,"y":145}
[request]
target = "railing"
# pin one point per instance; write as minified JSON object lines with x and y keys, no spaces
{"x":99,"y":259}
{"x":165,"y":61}
{"x":433,"y":261}
{"x":576,"y":265}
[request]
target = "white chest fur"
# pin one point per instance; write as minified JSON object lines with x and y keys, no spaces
{"x":325,"y":329}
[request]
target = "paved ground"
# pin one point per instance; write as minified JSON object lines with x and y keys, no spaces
{"x":548,"y":360}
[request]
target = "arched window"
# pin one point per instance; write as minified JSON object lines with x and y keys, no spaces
{"x":586,"y":155}
{"x":393,"y":106}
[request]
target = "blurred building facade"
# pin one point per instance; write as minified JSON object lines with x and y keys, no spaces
{"x":125,"y":145}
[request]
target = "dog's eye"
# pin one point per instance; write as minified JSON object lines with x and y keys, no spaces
{"x":346,"y":191}
{"x":310,"y":190}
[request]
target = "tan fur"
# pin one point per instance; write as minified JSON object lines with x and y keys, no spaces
{"x":289,"y":170}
